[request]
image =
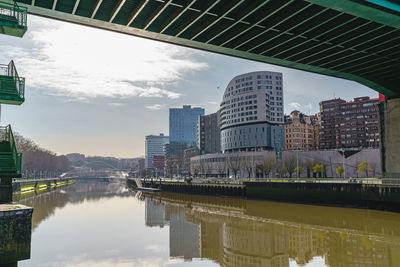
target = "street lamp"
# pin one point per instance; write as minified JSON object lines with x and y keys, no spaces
{"x":344,"y":168}
{"x":297,"y":169}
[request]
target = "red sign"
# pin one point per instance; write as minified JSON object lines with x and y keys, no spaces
{"x":381,"y":97}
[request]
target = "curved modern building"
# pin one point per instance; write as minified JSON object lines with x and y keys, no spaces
{"x":252,"y":114}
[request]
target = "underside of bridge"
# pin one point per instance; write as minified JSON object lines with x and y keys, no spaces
{"x":357,"y":40}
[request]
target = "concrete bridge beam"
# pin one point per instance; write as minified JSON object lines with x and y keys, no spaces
{"x":389,"y":128}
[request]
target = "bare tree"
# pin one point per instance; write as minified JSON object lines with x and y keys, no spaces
{"x":308,"y":163}
{"x":221,"y":167}
{"x":207,"y":168}
{"x":249,"y":164}
{"x":267,"y":165}
{"x":235,"y":163}
{"x":290,"y":163}
{"x":195,"y":168}
{"x":169,"y":167}
{"x":37,"y":161}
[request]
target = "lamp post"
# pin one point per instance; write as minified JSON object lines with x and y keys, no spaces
{"x":344,"y":167}
{"x":297,"y":161}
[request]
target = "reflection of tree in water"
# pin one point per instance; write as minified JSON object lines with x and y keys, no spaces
{"x":45,"y":203}
{"x":254,"y":233}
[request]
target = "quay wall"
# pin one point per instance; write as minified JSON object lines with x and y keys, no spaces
{"x":201,"y":189}
{"x":374,"y":196}
{"x":21,"y":186}
{"x":316,"y":193}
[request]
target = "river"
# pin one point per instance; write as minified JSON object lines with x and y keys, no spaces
{"x":97,"y":223}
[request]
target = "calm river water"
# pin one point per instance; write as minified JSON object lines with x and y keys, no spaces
{"x":95,"y":223}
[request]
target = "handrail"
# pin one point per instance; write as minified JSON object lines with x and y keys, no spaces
{"x":4,"y":69}
{"x":14,"y":10}
{"x":7,"y":136}
{"x":11,"y":71}
{"x":12,"y":140}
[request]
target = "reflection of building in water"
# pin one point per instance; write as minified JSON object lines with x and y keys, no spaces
{"x":360,"y":250}
{"x":235,"y":241}
{"x":183,"y":237}
{"x":305,"y":244}
{"x":252,"y":243}
{"x":155,"y":213}
{"x":231,"y":237}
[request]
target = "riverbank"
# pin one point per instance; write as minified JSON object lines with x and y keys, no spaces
{"x":355,"y":194}
{"x":27,"y":186}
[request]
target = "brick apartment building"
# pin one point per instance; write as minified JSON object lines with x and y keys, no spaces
{"x":351,"y":124}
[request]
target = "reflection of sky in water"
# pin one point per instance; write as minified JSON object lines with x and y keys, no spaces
{"x":99,"y":224}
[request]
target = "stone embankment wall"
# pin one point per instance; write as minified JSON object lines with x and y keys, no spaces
{"x":15,"y":233}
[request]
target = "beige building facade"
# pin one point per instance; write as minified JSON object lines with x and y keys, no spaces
{"x":300,"y":131}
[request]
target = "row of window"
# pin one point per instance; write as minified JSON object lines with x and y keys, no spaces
{"x":269,"y":77}
{"x":264,"y":82}
{"x":241,"y":85}
{"x":247,"y":78}
{"x":240,"y":91}
{"x":259,"y":87}
{"x":277,"y":114}
{"x":299,"y":135}
{"x":243,"y":131}
{"x":297,"y":130}
{"x":350,"y":142}
{"x":252,"y":118}
{"x":276,"y":119}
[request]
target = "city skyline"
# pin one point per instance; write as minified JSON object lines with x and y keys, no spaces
{"x":118,"y":97}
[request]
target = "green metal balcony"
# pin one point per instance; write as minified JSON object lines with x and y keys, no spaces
{"x":12,"y":19}
{"x":10,"y":159}
{"x":12,"y":87}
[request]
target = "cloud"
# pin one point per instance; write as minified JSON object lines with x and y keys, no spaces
{"x":213,"y":103}
{"x":156,"y":106}
{"x":79,"y":62}
{"x":155,"y":248}
{"x":114,"y":104}
{"x":295,"y":105}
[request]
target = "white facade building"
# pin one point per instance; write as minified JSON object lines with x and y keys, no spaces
{"x":154,"y":147}
{"x":252,"y":112}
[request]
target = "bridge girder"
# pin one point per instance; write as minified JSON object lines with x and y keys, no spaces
{"x":351,"y":39}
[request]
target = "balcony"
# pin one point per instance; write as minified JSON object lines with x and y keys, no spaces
{"x":12,"y":19}
{"x":10,"y":159}
{"x":12,"y":87}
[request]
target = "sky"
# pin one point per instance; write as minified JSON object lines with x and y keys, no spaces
{"x":100,"y":93}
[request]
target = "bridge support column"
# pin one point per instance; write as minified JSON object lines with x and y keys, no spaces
{"x":6,"y":191}
{"x":389,"y":129}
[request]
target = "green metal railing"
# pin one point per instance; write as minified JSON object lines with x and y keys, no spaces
{"x":10,"y":160}
{"x":10,"y":83}
{"x":13,"y":15}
